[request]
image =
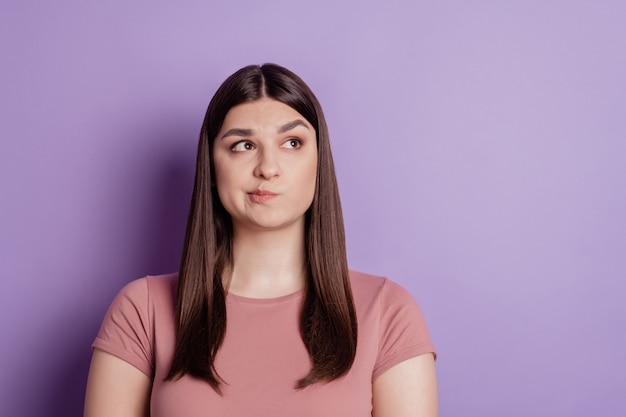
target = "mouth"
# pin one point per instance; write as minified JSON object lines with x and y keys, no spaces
{"x":261,"y":196}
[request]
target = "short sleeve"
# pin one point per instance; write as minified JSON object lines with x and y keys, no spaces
{"x":126,"y":329}
{"x":403,"y":332}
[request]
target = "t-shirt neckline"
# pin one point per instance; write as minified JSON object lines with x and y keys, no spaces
{"x":273,"y":300}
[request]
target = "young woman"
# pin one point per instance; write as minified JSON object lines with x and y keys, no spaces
{"x":264,"y":318}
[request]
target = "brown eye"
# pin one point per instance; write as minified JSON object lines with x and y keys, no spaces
{"x":293,"y":143}
{"x":242,"y":146}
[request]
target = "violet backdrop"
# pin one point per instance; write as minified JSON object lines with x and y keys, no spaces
{"x":480,"y":149}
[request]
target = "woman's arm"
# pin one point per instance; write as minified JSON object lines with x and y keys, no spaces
{"x":115,"y":388}
{"x":409,"y":389}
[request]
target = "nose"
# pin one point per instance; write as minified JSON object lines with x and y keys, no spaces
{"x":267,"y":165}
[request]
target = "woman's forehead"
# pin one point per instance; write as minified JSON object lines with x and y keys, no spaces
{"x":266,"y":113}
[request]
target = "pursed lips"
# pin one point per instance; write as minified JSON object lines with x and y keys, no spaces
{"x":261,"y":196}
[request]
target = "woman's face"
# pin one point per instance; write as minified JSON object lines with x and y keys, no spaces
{"x":265,"y":165}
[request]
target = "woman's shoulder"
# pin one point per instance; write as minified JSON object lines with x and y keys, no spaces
{"x":390,"y":311}
{"x":161,"y":283}
{"x":150,"y":287}
{"x":368,"y":285}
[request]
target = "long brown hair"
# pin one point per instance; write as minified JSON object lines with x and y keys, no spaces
{"x":328,"y":324}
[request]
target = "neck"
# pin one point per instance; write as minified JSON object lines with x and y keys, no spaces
{"x":267,"y":264}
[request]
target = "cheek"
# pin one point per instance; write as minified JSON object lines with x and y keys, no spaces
{"x":224,"y":187}
{"x":310,"y":176}
{"x":224,"y":196}
{"x":222,"y":181}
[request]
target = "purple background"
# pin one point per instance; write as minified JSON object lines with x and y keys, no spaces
{"x":480,"y":149}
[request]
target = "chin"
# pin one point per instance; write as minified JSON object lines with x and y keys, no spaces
{"x":271,"y":224}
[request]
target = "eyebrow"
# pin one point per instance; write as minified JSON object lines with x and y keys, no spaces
{"x":238,"y":132}
{"x":292,"y":125}
{"x":249,"y":132}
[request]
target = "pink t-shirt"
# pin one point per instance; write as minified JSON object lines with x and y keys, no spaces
{"x":263,"y":356}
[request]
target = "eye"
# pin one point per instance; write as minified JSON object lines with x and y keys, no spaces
{"x":241,"y":146}
{"x":293,"y":143}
